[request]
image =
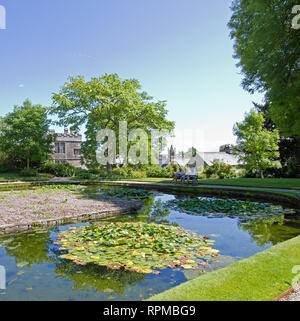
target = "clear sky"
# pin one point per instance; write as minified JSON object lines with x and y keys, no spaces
{"x":180,"y":51}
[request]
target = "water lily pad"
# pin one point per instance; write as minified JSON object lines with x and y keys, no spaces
{"x":126,"y":246}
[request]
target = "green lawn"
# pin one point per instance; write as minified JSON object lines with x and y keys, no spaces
{"x":261,"y":277}
{"x":16,"y":177}
{"x":291,"y":183}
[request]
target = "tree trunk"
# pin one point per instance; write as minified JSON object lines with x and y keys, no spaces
{"x":108,"y":167}
{"x":261,"y":173}
{"x":28,"y":163}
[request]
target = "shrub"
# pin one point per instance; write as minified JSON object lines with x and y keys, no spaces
{"x":28,"y":173}
{"x":172,"y":169}
{"x":120,"y":172}
{"x":220,"y":170}
{"x":139,"y":174}
{"x":156,"y":171}
{"x":59,"y":170}
{"x":85,"y":175}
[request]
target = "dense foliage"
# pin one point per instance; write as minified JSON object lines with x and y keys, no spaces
{"x":59,"y":170}
{"x":138,"y":247}
{"x":256,"y":146}
{"x":219,"y":170}
{"x":268,"y":49}
{"x":24,"y":136}
{"x":289,"y":148}
{"x":102,"y":103}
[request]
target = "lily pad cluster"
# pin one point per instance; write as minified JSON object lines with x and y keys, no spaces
{"x":128,"y":193}
{"x":230,"y":207}
{"x":136,"y":247}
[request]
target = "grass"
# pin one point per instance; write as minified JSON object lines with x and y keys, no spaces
{"x":261,"y":277}
{"x":284,"y":183}
{"x":16,"y":177}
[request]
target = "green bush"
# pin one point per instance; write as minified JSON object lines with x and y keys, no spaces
{"x":28,"y":173}
{"x":128,"y":172}
{"x":220,"y":170}
{"x":59,"y":170}
{"x":139,"y":174}
{"x":172,"y":169}
{"x":86,"y":175}
{"x":120,"y":172}
{"x":156,"y":171}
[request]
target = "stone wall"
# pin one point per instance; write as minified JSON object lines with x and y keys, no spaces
{"x":67,"y":148}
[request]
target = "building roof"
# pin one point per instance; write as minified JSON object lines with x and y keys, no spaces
{"x":222,"y":157}
{"x":202,"y":158}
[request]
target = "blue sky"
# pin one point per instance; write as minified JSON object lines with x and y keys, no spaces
{"x":180,"y":51}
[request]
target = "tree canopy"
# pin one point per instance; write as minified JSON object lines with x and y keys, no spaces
{"x":102,"y":103}
{"x":24,"y":135}
{"x":268,"y":49}
{"x":256,"y":146}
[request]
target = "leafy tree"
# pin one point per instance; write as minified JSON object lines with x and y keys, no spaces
{"x":102,"y":103}
{"x":289,"y":147}
{"x":24,"y":137}
{"x":256,"y":146}
{"x":228,"y":148}
{"x":268,"y":49}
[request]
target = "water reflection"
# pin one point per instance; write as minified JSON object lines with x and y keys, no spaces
{"x":99,"y":278}
{"x":37,"y":263}
{"x":271,"y":230}
{"x":28,"y":249}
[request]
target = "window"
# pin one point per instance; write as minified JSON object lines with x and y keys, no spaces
{"x":76,"y":152}
{"x":57,"y":148}
{"x":63,"y":148}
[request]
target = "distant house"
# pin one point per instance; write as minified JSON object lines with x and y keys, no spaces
{"x":67,"y":148}
{"x":200,"y":160}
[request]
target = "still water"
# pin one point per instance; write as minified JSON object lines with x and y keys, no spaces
{"x":34,"y":270}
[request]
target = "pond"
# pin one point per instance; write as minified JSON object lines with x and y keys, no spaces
{"x":35,"y":270}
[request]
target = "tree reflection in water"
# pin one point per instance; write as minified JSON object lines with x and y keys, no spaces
{"x":28,"y":249}
{"x":273,"y":230}
{"x":99,"y":278}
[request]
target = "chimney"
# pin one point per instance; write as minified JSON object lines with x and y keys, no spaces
{"x":66,"y":131}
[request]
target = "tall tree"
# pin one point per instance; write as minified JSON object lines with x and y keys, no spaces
{"x":102,"y":103}
{"x":24,"y":135}
{"x":256,"y":146}
{"x":268,"y":49}
{"x":289,"y":147}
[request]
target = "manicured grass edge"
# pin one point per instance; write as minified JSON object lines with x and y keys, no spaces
{"x":261,"y":277}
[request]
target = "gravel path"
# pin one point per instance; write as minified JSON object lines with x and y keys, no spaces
{"x":295,"y":296}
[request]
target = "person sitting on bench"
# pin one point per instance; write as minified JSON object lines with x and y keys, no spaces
{"x":178,"y":175}
{"x":193,"y":176}
{"x":186,"y":176}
